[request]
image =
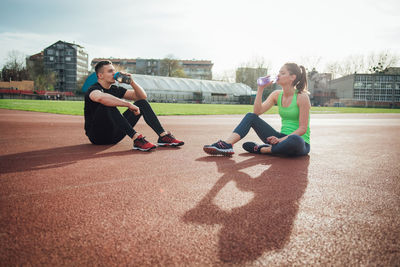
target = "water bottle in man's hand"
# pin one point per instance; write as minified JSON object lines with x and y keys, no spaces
{"x":122,"y":78}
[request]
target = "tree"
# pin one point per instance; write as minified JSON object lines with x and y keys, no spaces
{"x":43,"y":79}
{"x":372,"y":63}
{"x":310,"y":62}
{"x":379,"y":63}
{"x":179,"y":73}
{"x":119,"y":67}
{"x":15,"y":60}
{"x":225,"y":76}
{"x":81,"y":81}
{"x":249,"y":71}
{"x":14,"y":68}
{"x":171,"y":67}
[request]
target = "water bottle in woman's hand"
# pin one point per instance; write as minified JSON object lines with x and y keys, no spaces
{"x":265,"y":80}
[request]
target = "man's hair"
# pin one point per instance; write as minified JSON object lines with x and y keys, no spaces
{"x":100,"y":65}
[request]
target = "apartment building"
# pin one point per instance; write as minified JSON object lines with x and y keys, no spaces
{"x":194,"y":69}
{"x":69,"y":61}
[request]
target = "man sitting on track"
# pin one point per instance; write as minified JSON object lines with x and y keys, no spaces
{"x":104,"y":124}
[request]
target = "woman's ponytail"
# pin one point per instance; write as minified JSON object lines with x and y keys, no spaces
{"x":300,"y":83}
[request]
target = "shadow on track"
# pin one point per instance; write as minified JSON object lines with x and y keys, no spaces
{"x":265,"y":223}
{"x":56,"y":157}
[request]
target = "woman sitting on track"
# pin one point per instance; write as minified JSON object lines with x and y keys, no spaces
{"x":294,"y":109}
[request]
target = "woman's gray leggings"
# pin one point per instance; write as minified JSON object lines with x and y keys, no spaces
{"x":294,"y":145}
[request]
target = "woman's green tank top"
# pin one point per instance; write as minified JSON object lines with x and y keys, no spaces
{"x":290,"y":117}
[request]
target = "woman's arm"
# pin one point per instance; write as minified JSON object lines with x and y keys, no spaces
{"x":304,"y":109}
{"x":261,"y":107}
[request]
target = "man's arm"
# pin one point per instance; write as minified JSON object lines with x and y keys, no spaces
{"x":137,"y":93}
{"x":112,"y":101}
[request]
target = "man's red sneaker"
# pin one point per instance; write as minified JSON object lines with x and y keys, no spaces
{"x":140,"y":143}
{"x":169,"y":140}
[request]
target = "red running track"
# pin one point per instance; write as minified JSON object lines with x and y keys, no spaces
{"x":66,"y":202}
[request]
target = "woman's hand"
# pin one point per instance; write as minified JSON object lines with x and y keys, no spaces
{"x":262,"y":87}
{"x":273,"y":140}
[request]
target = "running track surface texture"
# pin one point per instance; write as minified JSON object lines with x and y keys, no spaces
{"x":66,"y":202}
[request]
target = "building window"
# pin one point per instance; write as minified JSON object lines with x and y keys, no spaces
{"x":359,"y":85}
{"x":67,"y":58}
{"x":50,"y":51}
{"x":51,"y":58}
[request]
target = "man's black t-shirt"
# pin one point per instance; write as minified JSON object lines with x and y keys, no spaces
{"x":91,"y":106}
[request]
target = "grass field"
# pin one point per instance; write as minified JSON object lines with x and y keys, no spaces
{"x":76,"y":108}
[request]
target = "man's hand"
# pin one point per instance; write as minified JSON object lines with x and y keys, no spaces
{"x":127,"y":74}
{"x":134,"y":109}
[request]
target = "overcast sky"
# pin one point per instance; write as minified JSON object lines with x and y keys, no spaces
{"x":227,"y":32}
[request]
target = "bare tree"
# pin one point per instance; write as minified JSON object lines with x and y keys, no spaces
{"x":311,"y":62}
{"x":382,"y":61}
{"x":256,"y":62}
{"x":119,"y":67}
{"x":371,"y":63}
{"x":15,"y":60}
{"x":225,"y":76}
{"x":333,"y":68}
{"x":14,"y":68}
{"x":249,"y":71}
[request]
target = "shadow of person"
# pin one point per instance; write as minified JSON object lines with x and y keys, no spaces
{"x":55,"y":157}
{"x":266,"y":221}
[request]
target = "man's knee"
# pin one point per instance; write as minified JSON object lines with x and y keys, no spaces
{"x":142,"y":103}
